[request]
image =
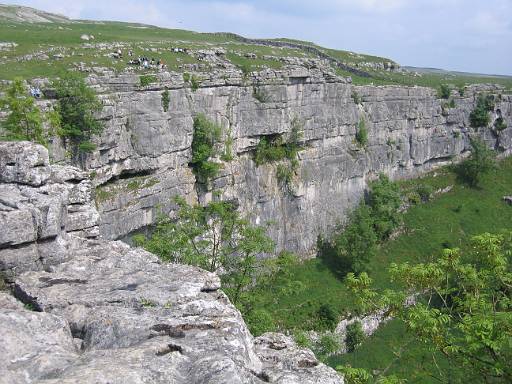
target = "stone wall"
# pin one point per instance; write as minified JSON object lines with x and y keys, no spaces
{"x":143,"y":155}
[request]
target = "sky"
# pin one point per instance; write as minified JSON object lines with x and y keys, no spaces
{"x":464,"y":35}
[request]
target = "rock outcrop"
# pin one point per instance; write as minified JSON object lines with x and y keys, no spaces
{"x":97,"y":311}
{"x":143,"y":156}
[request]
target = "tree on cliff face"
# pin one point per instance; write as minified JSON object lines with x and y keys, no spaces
{"x":77,"y":106}
{"x":464,"y":311}
{"x":24,"y":121}
{"x":480,"y":162}
{"x":214,"y":238}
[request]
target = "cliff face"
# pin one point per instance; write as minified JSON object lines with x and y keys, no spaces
{"x":144,"y":153}
{"x":98,"y":311}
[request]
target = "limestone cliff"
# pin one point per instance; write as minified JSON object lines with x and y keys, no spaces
{"x":142,"y":158}
{"x":100,"y":312}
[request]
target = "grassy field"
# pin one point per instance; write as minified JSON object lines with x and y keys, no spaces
{"x":447,"y":221}
{"x":64,"y":39}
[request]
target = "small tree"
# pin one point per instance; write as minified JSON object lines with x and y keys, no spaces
{"x":444,"y":91}
{"x":357,"y":244}
{"x":480,"y":162}
{"x":206,"y":135}
{"x":214,"y":238}
{"x":384,"y":202}
{"x":77,"y":106}
{"x":24,"y":121}
{"x":464,"y":311}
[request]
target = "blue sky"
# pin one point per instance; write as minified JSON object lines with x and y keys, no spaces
{"x":465,"y":35}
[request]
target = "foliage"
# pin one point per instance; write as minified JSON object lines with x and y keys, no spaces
{"x":326,"y":346}
{"x":145,"y":80}
{"x":228,"y":148}
{"x":186,"y":77}
{"x":355,"y":336}
{"x":165,"y":100}
{"x":327,"y":317}
{"x":357,"y":244}
{"x":302,"y":339}
{"x":355,"y":96}
{"x":77,"y":105}
{"x":24,"y":120}
{"x":500,"y":124}
{"x":362,"y":133}
{"x":444,"y":91}
{"x":194,"y":83}
{"x":214,"y":238}
{"x":480,"y":162}
{"x":206,"y":135}
{"x":384,"y":201}
{"x":479,"y":117}
{"x":466,"y":310}
{"x":425,"y":191}
{"x":270,"y":149}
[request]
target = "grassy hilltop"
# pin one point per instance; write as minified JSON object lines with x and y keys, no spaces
{"x":46,"y":44}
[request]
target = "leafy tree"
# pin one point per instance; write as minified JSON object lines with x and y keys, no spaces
{"x":327,"y":317}
{"x":384,"y":201}
{"x":165,"y":100}
{"x":77,"y":106}
{"x":444,"y":91}
{"x":357,"y":244}
{"x":206,"y":135}
{"x":24,"y":121}
{"x":480,"y":162}
{"x":214,"y":238}
{"x":465,"y":308}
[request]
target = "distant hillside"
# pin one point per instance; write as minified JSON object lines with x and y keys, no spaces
{"x":445,"y":72}
{"x":36,"y":43}
{"x":22,"y":14}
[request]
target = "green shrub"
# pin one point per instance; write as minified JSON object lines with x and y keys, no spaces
{"x":194,"y":83}
{"x":357,"y":244}
{"x":24,"y":120}
{"x":414,"y":198}
{"x":462,"y":89}
{"x":355,"y":96}
{"x":206,"y":135}
{"x":145,"y":80}
{"x":500,"y":124}
{"x":77,"y":104}
{"x":327,"y":317}
{"x":480,"y":162}
{"x":228,"y":148}
{"x":425,"y":191}
{"x":327,"y":345}
{"x":384,"y":201}
{"x":479,"y":117}
{"x":362,"y":133}
{"x":355,"y":336}
{"x":444,"y":91}
{"x":165,"y":100}
{"x":302,"y":340}
{"x":270,"y":149}
{"x":186,"y":77}
{"x":284,"y":173}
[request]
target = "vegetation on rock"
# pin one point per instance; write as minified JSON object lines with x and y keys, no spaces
{"x":206,"y":135}
{"x":480,"y":162}
{"x":479,"y":117}
{"x":24,"y":120}
{"x":77,"y":105}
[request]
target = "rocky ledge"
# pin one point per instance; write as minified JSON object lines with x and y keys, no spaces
{"x":86,"y":310}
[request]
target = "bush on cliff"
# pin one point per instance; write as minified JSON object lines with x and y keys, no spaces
{"x":206,"y":135}
{"x":77,"y":105}
{"x":24,"y":120}
{"x":479,"y":117}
